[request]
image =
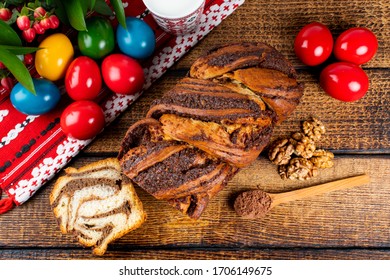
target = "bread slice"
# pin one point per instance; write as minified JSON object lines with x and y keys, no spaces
{"x":94,"y":203}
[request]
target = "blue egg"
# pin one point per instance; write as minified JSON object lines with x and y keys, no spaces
{"x":137,"y":40}
{"x":47,"y":97}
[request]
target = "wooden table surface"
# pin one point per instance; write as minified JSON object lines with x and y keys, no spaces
{"x":348,"y":224}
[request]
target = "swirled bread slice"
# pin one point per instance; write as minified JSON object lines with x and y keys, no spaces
{"x":93,"y":203}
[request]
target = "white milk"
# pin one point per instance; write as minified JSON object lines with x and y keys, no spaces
{"x":172,"y":8}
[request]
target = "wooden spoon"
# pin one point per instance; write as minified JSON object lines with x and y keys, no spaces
{"x":257,"y":203}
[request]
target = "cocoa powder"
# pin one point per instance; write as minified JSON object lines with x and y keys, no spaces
{"x":252,"y":204}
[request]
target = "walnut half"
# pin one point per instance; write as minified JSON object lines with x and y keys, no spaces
{"x":303,"y":145}
{"x":280,"y":152}
{"x":313,"y":129}
{"x":298,"y":169}
{"x":322,"y":159}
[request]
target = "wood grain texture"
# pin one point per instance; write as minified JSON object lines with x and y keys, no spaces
{"x":125,"y":253}
{"x":278,"y":22}
{"x":348,"y":224}
{"x":359,"y":217}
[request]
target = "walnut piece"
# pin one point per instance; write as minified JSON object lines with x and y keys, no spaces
{"x":280,"y":151}
{"x":303,"y":145}
{"x":297,"y":156}
{"x":298,"y":169}
{"x":322,"y":159}
{"x":313,"y":129}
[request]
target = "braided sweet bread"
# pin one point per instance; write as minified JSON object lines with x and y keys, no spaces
{"x":212,"y":123}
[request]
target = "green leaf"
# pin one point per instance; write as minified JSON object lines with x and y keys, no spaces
{"x":19,"y":50}
{"x":24,"y":11}
{"x":92,"y":4}
{"x":85,"y":6}
{"x":49,"y":2}
{"x":31,"y":5}
{"x":101,"y":7}
{"x":15,"y":2}
{"x":8,"y":36}
{"x":17,"y":68}
{"x":60,"y":12}
{"x":76,"y":16}
{"x":119,"y":12}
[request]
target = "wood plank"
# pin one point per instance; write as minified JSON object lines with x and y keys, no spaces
{"x":352,"y":127}
{"x":128,"y":253}
{"x":350,"y":224}
{"x":278,"y":22}
{"x":358,"y":217}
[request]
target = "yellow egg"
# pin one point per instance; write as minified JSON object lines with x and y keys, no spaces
{"x":54,"y":57}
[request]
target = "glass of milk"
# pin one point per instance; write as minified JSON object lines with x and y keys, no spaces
{"x":177,"y":17}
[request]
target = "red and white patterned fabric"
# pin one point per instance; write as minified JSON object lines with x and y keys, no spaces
{"x":33,"y":148}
